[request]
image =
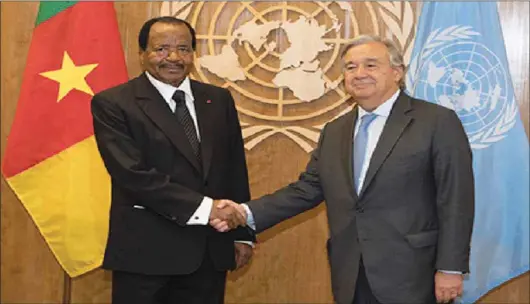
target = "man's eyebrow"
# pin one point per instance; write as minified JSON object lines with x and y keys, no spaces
{"x":369,"y":59}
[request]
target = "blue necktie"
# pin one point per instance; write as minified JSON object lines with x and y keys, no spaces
{"x":359,"y":148}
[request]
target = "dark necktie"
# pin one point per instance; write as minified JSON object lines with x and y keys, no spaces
{"x":359,"y":148}
{"x":184,"y":118}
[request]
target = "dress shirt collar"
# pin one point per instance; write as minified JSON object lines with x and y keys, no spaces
{"x":167,"y":90}
{"x":383,"y":109}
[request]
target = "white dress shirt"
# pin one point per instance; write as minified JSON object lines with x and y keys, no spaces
{"x":201,"y":216}
{"x":374,"y":131}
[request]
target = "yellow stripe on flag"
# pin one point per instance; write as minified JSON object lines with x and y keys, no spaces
{"x":68,"y":197}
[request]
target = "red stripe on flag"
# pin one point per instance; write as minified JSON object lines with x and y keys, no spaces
{"x":42,"y":127}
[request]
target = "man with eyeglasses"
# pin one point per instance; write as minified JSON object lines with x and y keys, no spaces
{"x":172,"y":147}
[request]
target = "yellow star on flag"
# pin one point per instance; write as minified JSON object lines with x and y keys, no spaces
{"x":70,"y":77}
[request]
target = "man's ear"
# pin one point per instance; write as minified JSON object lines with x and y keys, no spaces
{"x":141,"y":57}
{"x":399,"y":73}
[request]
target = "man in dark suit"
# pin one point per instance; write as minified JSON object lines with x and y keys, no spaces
{"x":396,"y":175}
{"x":171,"y":146}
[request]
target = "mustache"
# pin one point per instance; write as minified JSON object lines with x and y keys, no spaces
{"x":172,"y":65}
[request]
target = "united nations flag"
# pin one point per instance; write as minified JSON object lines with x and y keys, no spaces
{"x":459,"y":61}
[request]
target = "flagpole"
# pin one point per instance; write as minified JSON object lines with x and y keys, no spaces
{"x":67,"y":288}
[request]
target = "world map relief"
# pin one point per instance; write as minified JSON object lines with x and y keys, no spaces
{"x":299,"y":66}
{"x":281,"y":59}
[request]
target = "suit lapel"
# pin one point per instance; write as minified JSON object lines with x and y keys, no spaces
{"x":347,"y":149}
{"x":155,"y":107}
{"x":397,"y":121}
{"x":205,"y":119}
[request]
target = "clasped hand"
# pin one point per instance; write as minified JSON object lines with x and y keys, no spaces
{"x":227,"y":215}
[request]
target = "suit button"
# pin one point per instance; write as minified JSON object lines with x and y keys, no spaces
{"x":174,"y":218}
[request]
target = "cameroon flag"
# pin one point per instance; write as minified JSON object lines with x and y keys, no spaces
{"x":51,"y":159}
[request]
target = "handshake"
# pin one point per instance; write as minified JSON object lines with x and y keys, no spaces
{"x":226,"y":215}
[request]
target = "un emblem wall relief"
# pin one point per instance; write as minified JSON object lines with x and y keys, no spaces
{"x":281,"y":60}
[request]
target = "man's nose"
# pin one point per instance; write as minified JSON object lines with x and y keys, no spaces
{"x":174,"y":55}
{"x":360,"y":72}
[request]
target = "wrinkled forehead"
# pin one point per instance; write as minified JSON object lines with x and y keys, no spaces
{"x":367,"y":52}
{"x":169,"y":33}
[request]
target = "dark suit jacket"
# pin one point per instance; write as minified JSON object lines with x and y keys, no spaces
{"x":414,"y":214}
{"x":151,"y":164}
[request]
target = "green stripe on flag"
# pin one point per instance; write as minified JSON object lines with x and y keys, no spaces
{"x":48,"y":9}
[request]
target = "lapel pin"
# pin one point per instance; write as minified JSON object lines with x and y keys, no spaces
{"x":209,"y":101}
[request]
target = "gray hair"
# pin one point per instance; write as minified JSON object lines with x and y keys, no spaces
{"x":396,"y":58}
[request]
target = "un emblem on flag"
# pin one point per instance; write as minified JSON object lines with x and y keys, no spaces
{"x":457,"y":72}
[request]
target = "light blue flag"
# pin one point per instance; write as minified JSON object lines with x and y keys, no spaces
{"x":459,"y":61}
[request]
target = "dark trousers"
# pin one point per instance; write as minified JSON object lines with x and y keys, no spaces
{"x":204,"y":286}
{"x":363,"y":292}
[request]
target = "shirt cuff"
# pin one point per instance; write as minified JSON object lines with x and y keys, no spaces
{"x":450,"y":271}
{"x":250,"y":217}
{"x":247,"y":242}
{"x":202,"y":214}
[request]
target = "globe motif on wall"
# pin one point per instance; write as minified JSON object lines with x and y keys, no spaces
{"x":280,"y":60}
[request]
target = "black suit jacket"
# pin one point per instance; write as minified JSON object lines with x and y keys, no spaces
{"x":414,"y":214}
{"x":152,"y":164}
